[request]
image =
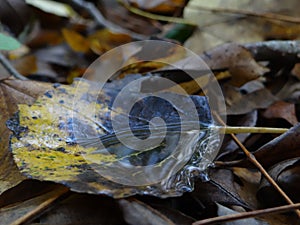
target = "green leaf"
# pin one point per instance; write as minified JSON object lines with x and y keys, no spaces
{"x":53,"y":7}
{"x":8,"y":43}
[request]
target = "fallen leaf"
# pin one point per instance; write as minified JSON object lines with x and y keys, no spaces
{"x":56,"y":8}
{"x":287,"y":176}
{"x":13,"y":92}
{"x":212,"y":20}
{"x":222,"y":211}
{"x":282,"y":110}
{"x":159,"y":6}
{"x":132,"y":209}
{"x":55,"y":140}
{"x":238,"y":103}
{"x":238,"y":60}
{"x":218,"y":189}
{"x":76,"y":41}
{"x":10,"y":214}
{"x":82,"y":209}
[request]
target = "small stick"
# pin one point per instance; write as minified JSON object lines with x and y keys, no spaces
{"x":252,"y":159}
{"x":100,"y":19}
{"x":11,"y":70}
{"x":243,"y":215}
{"x":267,"y":15}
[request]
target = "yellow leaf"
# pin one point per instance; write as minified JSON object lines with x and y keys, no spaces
{"x":76,"y":41}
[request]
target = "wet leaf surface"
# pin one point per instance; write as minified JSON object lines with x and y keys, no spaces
{"x":13,"y":92}
{"x":58,"y":140}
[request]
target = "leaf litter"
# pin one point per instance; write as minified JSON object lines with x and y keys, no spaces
{"x":271,"y":62}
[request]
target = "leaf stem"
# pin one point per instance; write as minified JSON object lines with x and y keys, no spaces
{"x":239,"y":130}
{"x":253,"y":160}
{"x":11,"y":70}
{"x":155,"y":16}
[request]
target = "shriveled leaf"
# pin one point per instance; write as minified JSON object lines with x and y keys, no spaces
{"x":287,"y":176}
{"x":54,"y":7}
{"x":58,"y":140}
{"x":13,"y":92}
{"x":133,"y":209}
{"x":8,"y":43}
{"x":282,"y":110}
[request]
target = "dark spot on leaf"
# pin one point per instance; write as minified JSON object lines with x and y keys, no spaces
{"x":48,"y":94}
{"x":34,"y":117}
{"x":61,"y":102}
{"x":56,"y":85}
{"x":61,"y":149}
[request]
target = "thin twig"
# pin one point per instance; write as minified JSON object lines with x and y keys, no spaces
{"x":100,"y":19}
{"x":11,"y":70}
{"x":57,"y":193}
{"x":253,"y":160}
{"x":267,"y":15}
{"x":244,"y":215}
{"x":155,"y":16}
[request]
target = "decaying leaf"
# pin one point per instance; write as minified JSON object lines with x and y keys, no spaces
{"x":282,"y":110}
{"x":218,"y":26}
{"x":133,"y":209}
{"x":12,"y":213}
{"x":13,"y":92}
{"x":287,"y":175}
{"x":222,"y":211}
{"x":57,"y":139}
{"x":82,"y":209}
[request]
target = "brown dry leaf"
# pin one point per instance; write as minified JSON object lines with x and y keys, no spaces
{"x":76,"y":41}
{"x":159,"y":6}
{"x":10,"y":214}
{"x":104,"y":40}
{"x":117,"y":14}
{"x":287,"y":176}
{"x":296,"y":71}
{"x":82,"y":209}
{"x":238,"y":60}
{"x":281,"y":109}
{"x":216,"y":28}
{"x":26,"y":65}
{"x":133,"y":209}
{"x":218,"y":189}
{"x":238,"y":103}
{"x":13,"y":92}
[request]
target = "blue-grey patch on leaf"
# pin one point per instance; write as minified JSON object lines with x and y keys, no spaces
{"x":57,"y":140}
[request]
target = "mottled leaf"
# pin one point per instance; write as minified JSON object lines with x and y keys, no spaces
{"x":13,"y":92}
{"x":57,"y":139}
